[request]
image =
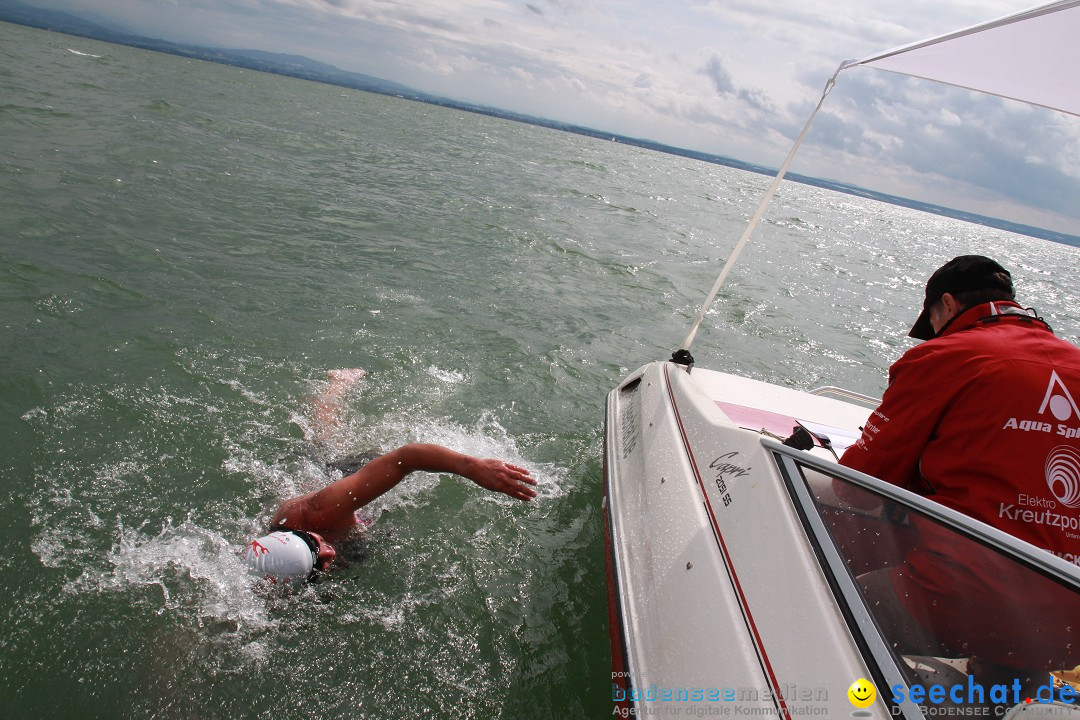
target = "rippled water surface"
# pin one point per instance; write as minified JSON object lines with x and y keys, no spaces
{"x":186,"y":248}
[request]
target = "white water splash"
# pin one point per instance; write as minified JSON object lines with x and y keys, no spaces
{"x":198,"y":572}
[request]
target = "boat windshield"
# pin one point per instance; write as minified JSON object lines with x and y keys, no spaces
{"x":956,"y":603}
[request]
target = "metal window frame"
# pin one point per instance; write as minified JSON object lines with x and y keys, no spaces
{"x":884,"y":664}
{"x":887,"y":665}
{"x":1035,"y":558}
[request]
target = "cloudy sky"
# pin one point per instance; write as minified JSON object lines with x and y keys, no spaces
{"x":732,"y":77}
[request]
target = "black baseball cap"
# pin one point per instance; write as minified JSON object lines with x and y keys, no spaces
{"x":961,"y":274}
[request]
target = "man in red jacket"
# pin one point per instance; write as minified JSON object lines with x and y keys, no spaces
{"x":982,"y":418}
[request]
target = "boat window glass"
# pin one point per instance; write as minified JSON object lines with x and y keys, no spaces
{"x":947,"y":604}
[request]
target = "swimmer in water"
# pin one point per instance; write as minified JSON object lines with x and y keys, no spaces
{"x":303,"y":529}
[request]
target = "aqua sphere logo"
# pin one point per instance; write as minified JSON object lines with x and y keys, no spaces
{"x":1058,"y":400}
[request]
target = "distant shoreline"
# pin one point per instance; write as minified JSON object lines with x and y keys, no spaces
{"x":303,"y":68}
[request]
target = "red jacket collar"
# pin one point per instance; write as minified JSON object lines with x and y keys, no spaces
{"x":977,"y":314}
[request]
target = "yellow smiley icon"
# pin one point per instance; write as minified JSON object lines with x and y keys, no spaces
{"x":861,"y":693}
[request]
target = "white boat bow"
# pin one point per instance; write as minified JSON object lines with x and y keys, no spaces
{"x":734,"y":564}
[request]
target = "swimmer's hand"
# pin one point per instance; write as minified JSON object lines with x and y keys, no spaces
{"x":499,"y":476}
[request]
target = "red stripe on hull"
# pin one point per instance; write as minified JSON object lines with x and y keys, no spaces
{"x":615,"y":629}
{"x":744,"y":606}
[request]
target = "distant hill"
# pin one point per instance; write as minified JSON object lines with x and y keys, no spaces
{"x":281,"y":64}
{"x":16,"y":12}
{"x":298,"y":66}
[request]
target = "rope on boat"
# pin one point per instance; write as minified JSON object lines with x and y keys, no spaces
{"x":684,"y":349}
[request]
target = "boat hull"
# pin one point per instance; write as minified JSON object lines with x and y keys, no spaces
{"x":716,"y":594}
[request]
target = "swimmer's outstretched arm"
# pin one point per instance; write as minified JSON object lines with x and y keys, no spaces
{"x":335,"y":504}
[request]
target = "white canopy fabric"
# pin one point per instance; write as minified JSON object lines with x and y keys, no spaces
{"x":1031,"y":56}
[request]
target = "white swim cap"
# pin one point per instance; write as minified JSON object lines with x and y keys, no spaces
{"x":281,"y":556}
